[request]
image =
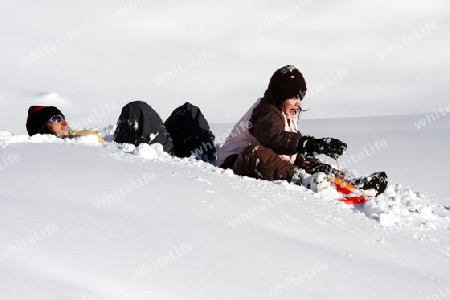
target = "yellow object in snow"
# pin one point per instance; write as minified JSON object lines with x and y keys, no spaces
{"x":343,"y":183}
{"x":86,"y":132}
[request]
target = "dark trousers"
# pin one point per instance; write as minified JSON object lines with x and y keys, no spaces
{"x":262,"y":163}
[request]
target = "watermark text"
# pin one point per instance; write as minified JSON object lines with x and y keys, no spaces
{"x":296,"y":280}
{"x":24,"y":243}
{"x":279,"y":17}
{"x":121,"y":192}
{"x":432,"y":117}
{"x":94,"y":116}
{"x":180,"y":69}
{"x":9,"y":161}
{"x":46,"y":50}
{"x":348,"y":160}
{"x":404,"y":41}
{"x":159,"y":262}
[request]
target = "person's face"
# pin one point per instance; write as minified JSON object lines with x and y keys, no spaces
{"x":60,"y":128}
{"x":290,"y":106}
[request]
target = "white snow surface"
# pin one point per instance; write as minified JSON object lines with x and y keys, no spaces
{"x":84,"y":220}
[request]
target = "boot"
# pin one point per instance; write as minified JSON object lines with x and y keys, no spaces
{"x":377,"y":181}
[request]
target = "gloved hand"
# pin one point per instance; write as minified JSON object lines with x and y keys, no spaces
{"x":318,"y":167}
{"x":310,"y":146}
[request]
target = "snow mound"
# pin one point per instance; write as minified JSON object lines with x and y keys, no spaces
{"x":5,"y":133}
{"x":86,"y":139}
{"x":403,"y":207}
{"x":48,"y":138}
{"x":398,"y":206}
{"x":153,"y":151}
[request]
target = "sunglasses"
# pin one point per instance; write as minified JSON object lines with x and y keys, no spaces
{"x":56,"y":119}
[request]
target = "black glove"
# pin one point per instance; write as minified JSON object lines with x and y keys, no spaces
{"x":318,"y":167}
{"x":311,"y":146}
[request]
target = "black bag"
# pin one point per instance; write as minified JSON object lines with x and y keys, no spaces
{"x":140,"y":123}
{"x":190,"y":133}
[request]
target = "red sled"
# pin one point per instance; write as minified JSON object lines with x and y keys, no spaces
{"x":350,"y":193}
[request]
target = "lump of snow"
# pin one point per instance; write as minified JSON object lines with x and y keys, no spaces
{"x":86,"y":139}
{"x":427,"y":212}
{"x":44,"y":138}
{"x":153,"y":151}
{"x":153,"y":136}
{"x":5,"y":133}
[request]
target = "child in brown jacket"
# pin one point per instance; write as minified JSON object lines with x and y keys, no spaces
{"x":266,"y":143}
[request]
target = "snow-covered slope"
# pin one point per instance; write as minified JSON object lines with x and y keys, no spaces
{"x":82,"y":220}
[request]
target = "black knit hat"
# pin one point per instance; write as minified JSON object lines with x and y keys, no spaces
{"x":38,"y":116}
{"x":286,"y":83}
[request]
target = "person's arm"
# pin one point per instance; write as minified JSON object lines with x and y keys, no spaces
{"x":268,"y":127}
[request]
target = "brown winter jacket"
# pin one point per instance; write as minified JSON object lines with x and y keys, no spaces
{"x":268,"y":127}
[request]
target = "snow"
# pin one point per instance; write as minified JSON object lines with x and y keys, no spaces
{"x":5,"y":133}
{"x":84,"y":220}
{"x":154,"y":151}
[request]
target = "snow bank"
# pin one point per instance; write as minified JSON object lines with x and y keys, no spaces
{"x":84,"y":220}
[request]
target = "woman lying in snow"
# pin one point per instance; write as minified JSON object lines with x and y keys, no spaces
{"x":50,"y":120}
{"x":267,"y":144}
{"x":186,"y":132}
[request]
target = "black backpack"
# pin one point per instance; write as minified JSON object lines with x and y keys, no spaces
{"x":140,"y":123}
{"x":190,"y":133}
